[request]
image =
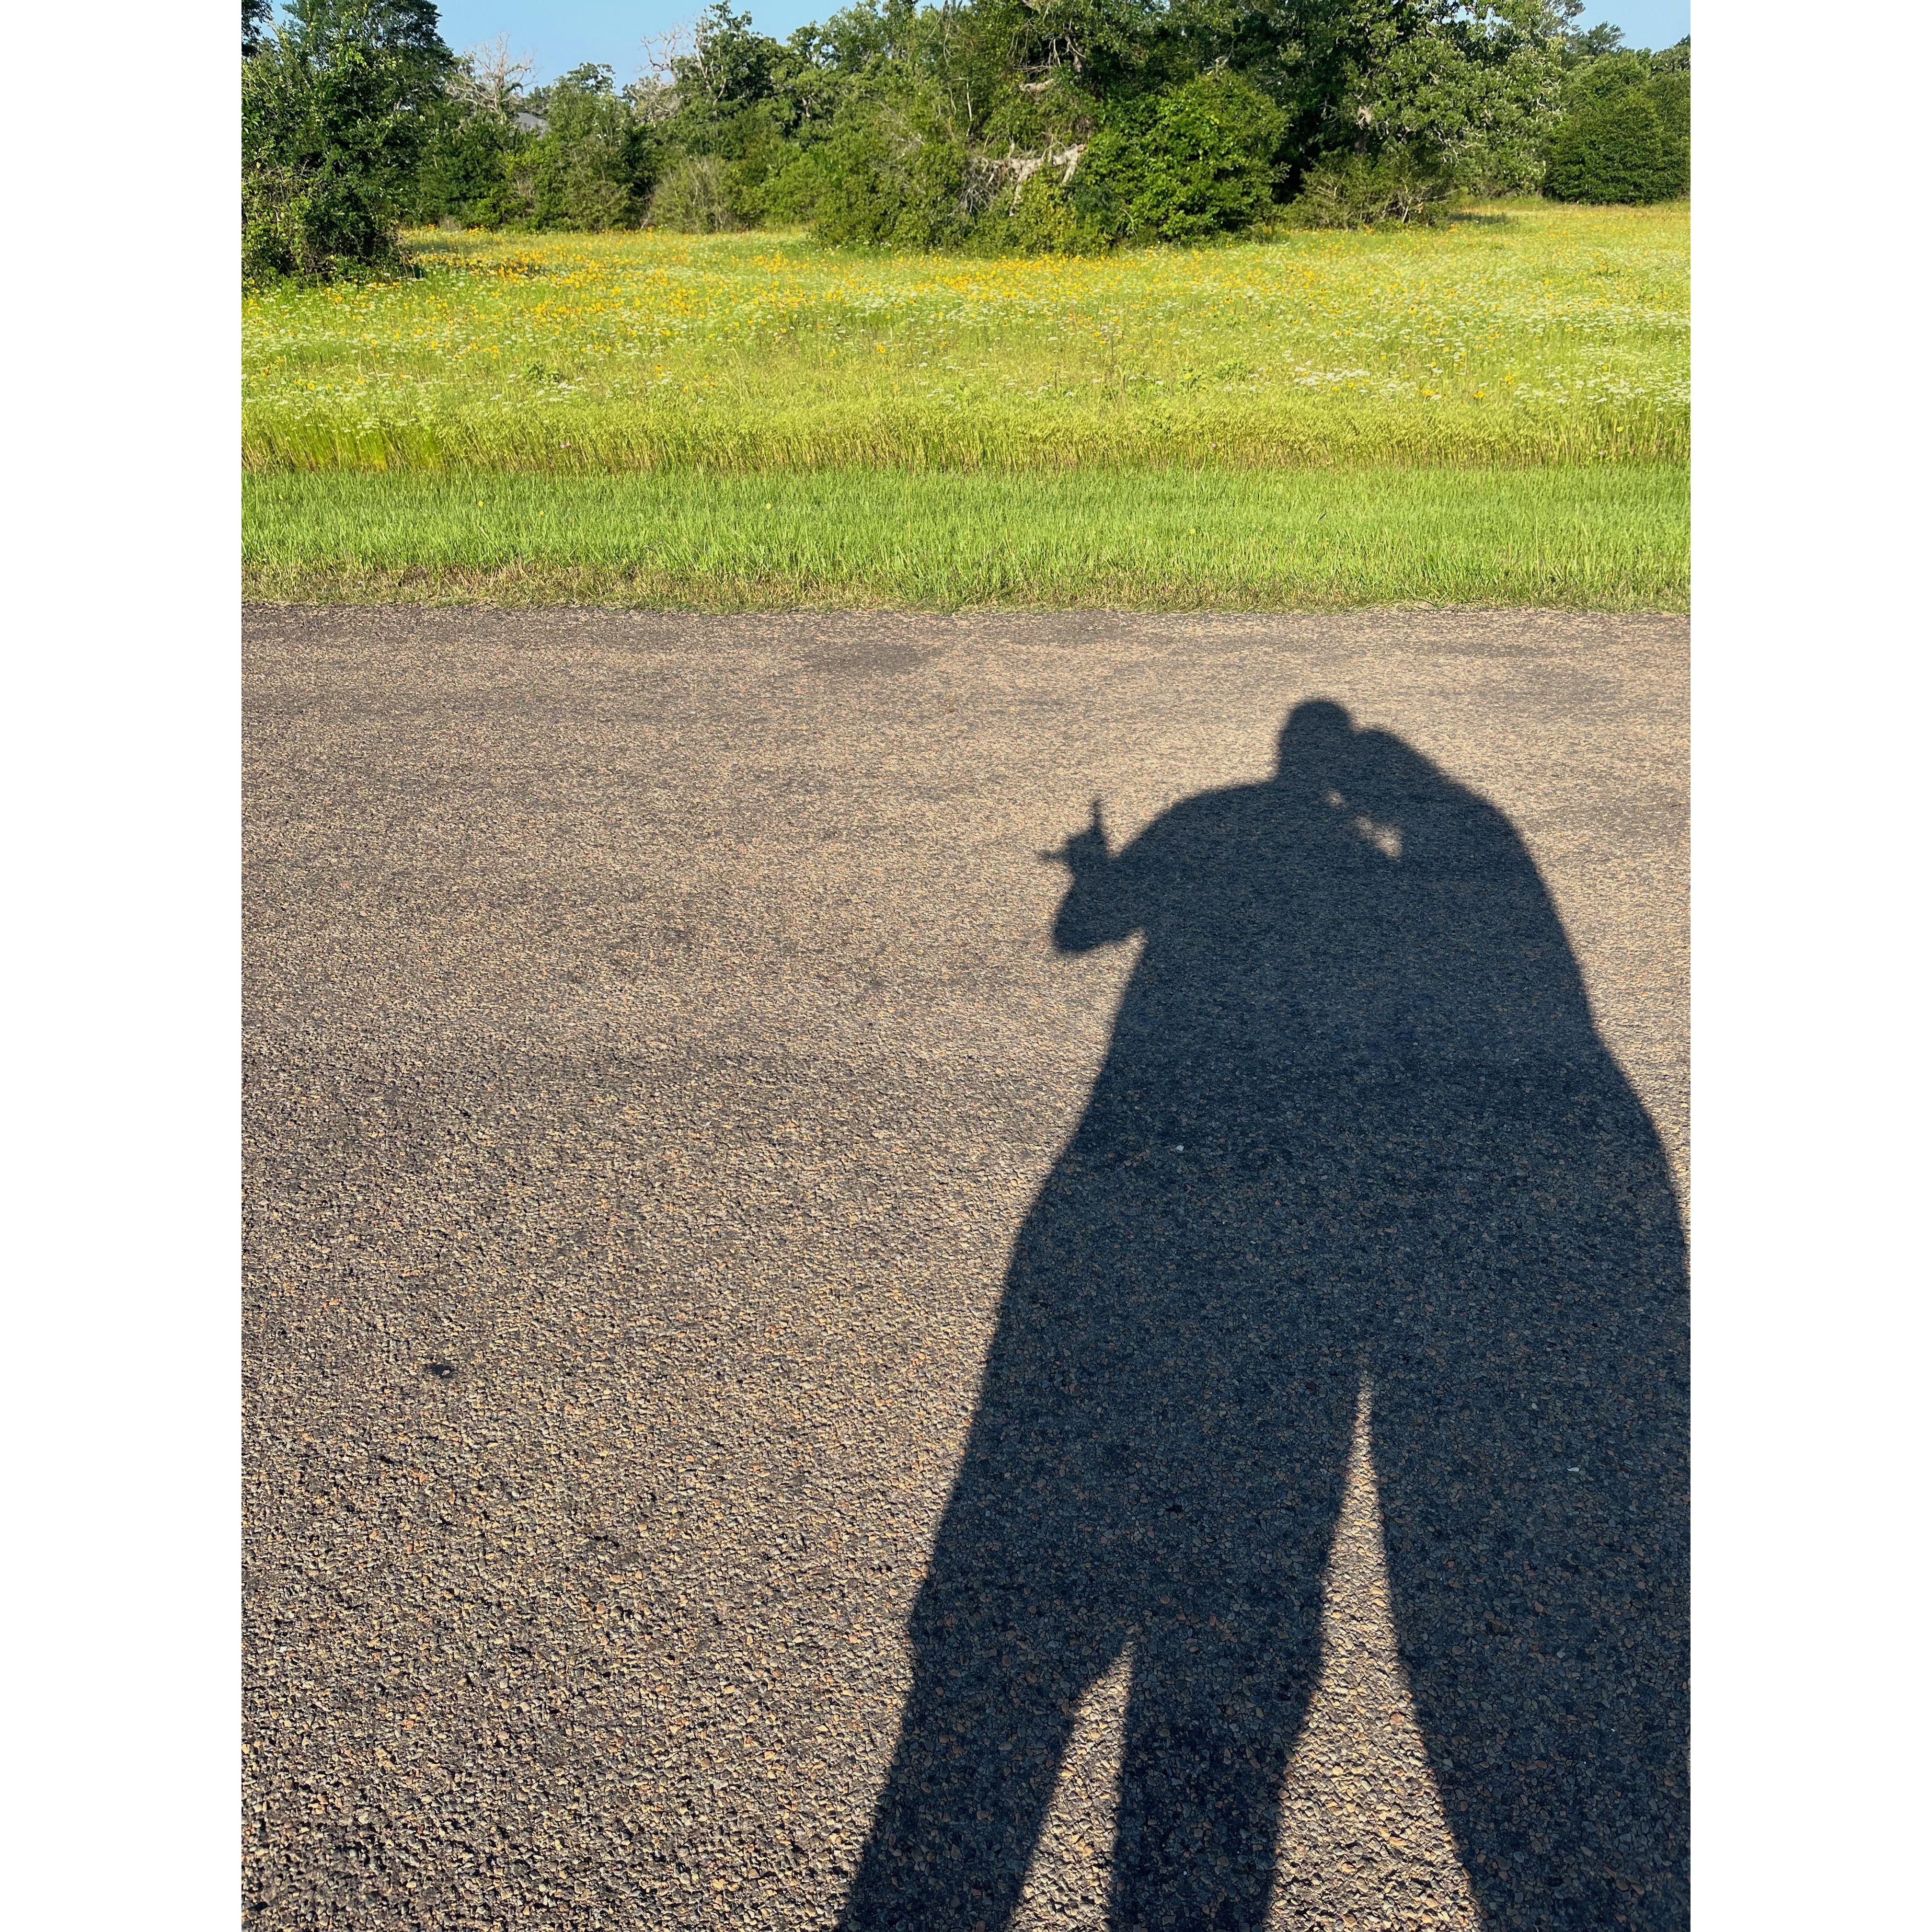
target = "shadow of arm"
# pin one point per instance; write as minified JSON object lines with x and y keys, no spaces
{"x":1100,"y":908}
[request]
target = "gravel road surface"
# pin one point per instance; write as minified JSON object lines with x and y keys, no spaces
{"x":837,"y":1337}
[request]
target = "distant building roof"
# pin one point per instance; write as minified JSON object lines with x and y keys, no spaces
{"x":529,"y":123}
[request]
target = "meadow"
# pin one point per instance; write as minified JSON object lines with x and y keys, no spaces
{"x":1494,"y":411}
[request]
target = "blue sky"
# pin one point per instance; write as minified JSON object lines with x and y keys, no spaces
{"x":564,"y":32}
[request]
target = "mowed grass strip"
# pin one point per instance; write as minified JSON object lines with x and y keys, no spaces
{"x":1612,"y":538}
{"x":1532,"y":335}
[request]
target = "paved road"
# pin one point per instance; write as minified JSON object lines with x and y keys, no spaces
{"x":808,"y":1364}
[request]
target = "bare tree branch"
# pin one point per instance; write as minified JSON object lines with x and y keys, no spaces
{"x":489,"y":78}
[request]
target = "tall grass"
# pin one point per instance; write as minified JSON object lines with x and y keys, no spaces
{"x":1609,"y":538}
{"x":1537,"y":336}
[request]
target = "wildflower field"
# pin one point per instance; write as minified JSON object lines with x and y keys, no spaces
{"x":1532,"y":356}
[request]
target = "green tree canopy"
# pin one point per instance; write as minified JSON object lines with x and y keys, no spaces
{"x":338,"y":106}
{"x":986,"y":123}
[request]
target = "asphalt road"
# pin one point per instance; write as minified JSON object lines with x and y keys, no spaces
{"x":808,"y":1364}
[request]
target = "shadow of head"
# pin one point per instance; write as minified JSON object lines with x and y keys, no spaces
{"x":1316,"y":734}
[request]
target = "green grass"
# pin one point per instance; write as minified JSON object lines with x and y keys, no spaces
{"x":1537,"y":335}
{"x":1614,"y":537}
{"x":1495,"y":412}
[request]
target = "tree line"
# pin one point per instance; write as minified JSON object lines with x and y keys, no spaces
{"x":989,"y":125}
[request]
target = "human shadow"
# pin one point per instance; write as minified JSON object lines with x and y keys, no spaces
{"x":1355,"y":1125}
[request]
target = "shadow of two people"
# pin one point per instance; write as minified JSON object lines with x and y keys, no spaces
{"x":1355,"y":1125}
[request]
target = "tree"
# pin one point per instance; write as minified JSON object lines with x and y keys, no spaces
{"x":727,"y":64}
{"x":593,"y":165}
{"x":1474,"y":101}
{"x":470,"y":154}
{"x":337,"y":105}
{"x":1625,"y":136}
{"x":489,"y":78}
{"x":1036,"y":123}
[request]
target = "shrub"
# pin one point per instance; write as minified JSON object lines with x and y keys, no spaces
{"x":1357,"y":191}
{"x":1669,"y":94}
{"x":1039,"y":219}
{"x":1102,"y":191}
{"x":279,"y":236}
{"x":594,"y":163}
{"x":855,"y":201}
{"x":981,"y":125}
{"x":1621,"y":149}
{"x":694,"y":198}
{"x":792,"y":193}
{"x":750,"y":142}
{"x":468,"y":174}
{"x":1206,"y":165}
{"x":893,"y":178}
{"x":314,"y":226}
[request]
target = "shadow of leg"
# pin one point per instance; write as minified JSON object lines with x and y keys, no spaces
{"x":1211,"y":1719}
{"x":986,"y":1728}
{"x":1531,"y":1454}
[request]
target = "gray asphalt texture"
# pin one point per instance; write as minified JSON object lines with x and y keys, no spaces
{"x":830,"y":1344}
